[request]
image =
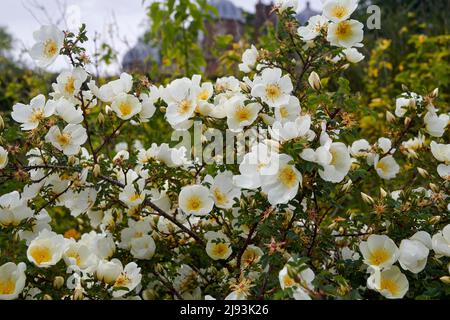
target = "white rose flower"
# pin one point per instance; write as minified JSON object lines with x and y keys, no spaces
{"x":13,"y":209}
{"x":12,"y":280}
{"x":339,"y":10}
{"x":49,"y":41}
{"x":68,"y":141}
{"x":31,"y":115}
{"x":390,"y":283}
{"x":346,"y":34}
{"x":379,"y":251}
{"x":46,"y":249}
{"x":273,"y":88}
{"x":3,"y":158}
{"x":195,"y":199}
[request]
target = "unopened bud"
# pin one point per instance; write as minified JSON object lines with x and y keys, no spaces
{"x":58,"y":282}
{"x":162,"y":109}
{"x":405,"y":88}
{"x":71,"y":160}
{"x":435,"y":93}
{"x":345,"y":66}
{"x":148,"y":294}
{"x":78,"y":294}
{"x":347,"y":186}
{"x":407,"y":121}
{"x":101,"y":118}
{"x":424,"y":173}
{"x":390,"y":117}
{"x":445,"y":279}
{"x":97,"y":170}
{"x":107,"y":110}
{"x":159,"y":267}
{"x":244,"y":87}
{"x":314,"y":81}
{"x":2,"y":124}
{"x":434,"y":187}
{"x":434,"y":219}
{"x":47,"y":297}
{"x":366,"y":198}
{"x":383,"y":193}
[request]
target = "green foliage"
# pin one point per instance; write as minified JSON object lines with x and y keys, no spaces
{"x":175,"y":28}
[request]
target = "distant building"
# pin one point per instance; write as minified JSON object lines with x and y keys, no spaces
{"x":140,"y":57}
{"x":262,"y":16}
{"x":230,"y":20}
{"x":307,"y":13}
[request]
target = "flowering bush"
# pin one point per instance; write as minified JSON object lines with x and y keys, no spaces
{"x":272,"y":193}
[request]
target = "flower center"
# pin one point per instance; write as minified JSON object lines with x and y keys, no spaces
{"x":334,"y":157}
{"x":339,"y":12}
{"x":288,"y":281}
{"x":63,"y":139}
{"x":389,"y":285}
{"x":203,"y":96}
{"x":36,"y":115}
{"x":284,"y":112}
{"x":273,"y":91}
{"x":70,"y":85}
{"x":184,"y":107}
{"x":50,"y":48}
{"x":7,"y":287}
{"x":41,"y":254}
{"x":221,"y":198}
{"x":249,"y":257}
{"x":344,"y":30}
{"x":220,"y":249}
{"x":76,"y":256}
{"x":383,"y":167}
{"x":287,"y":177}
{"x":378,"y":257}
{"x":122,"y":281}
{"x":194,"y":203}
{"x":242,"y":114}
{"x":134,"y":197}
{"x":125,"y":109}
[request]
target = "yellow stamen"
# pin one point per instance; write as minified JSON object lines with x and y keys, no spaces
{"x":287,"y":176}
{"x":50,"y":48}
{"x":339,"y":12}
{"x":273,"y":91}
{"x":7,"y":287}
{"x":242,"y":114}
{"x":221,"y":197}
{"x":194,"y":203}
{"x":125,"y":109}
{"x":203,"y":96}
{"x":344,"y":30}
{"x":40,"y":254}
{"x":220,"y":249}
{"x":389,"y":285}
{"x":70,"y":85}
{"x":184,"y":106}
{"x":63,"y":139}
{"x":378,"y":256}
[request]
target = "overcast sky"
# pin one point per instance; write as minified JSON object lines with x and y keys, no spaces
{"x":124,"y":19}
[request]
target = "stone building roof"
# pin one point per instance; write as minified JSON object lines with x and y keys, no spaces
{"x":139,"y":53}
{"x":227,"y":10}
{"x":307,"y":13}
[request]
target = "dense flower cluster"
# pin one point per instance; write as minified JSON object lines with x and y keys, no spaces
{"x":155,"y":222}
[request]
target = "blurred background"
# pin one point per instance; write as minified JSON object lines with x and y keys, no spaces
{"x":161,"y":42}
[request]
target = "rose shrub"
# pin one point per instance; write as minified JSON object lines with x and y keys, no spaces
{"x":273,"y":192}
